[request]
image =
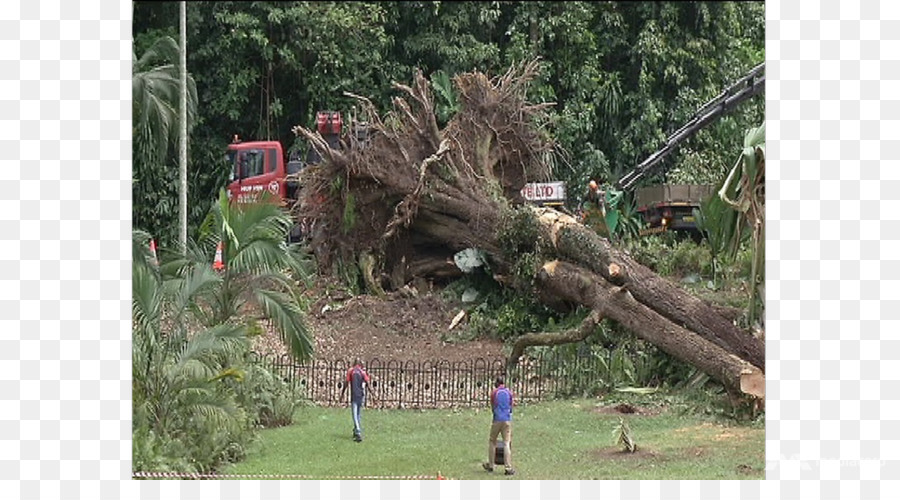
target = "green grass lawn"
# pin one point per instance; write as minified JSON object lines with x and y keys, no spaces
{"x":564,"y":439}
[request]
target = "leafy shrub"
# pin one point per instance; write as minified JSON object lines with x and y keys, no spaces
{"x":688,"y":257}
{"x":268,"y":399}
{"x":669,"y":255}
{"x":149,"y":452}
{"x":652,"y":251}
{"x":611,"y":358}
{"x":499,"y":312}
{"x":198,"y":438}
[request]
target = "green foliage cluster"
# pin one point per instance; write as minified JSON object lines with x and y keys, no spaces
{"x":736,"y":216}
{"x":522,"y":241}
{"x":722,"y":281}
{"x":350,"y":275}
{"x":197,"y":395}
{"x":611,"y":359}
{"x":271,"y":400}
{"x":672,"y":256}
{"x":617,"y":219}
{"x":623,"y":76}
{"x":498,"y":312}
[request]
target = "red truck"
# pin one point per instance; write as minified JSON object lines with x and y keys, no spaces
{"x":261,"y":167}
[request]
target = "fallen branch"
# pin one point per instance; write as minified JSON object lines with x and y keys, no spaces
{"x":587,"y":326}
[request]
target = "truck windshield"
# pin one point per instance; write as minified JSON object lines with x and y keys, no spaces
{"x":230,"y":157}
{"x":246,"y":163}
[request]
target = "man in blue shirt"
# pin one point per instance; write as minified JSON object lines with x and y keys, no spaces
{"x":358,"y":380}
{"x":502,"y":406}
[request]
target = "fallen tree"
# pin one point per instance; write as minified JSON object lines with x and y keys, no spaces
{"x":415,"y":194}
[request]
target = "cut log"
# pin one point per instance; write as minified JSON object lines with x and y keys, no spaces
{"x":580,"y":245}
{"x":620,"y":305}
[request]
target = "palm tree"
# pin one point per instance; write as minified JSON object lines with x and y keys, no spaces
{"x":156,"y":93}
{"x":190,"y":329}
{"x":156,"y":89}
{"x":261,"y":271}
{"x":178,"y":370}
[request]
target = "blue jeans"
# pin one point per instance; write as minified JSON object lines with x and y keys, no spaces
{"x":356,"y":410}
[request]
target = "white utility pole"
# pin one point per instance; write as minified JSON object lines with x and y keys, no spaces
{"x":182,"y":143}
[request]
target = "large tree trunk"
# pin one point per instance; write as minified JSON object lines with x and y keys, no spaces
{"x":415,"y":186}
{"x":617,"y":302}
{"x":580,"y":245}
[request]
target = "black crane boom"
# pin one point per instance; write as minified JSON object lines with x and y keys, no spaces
{"x":746,"y":87}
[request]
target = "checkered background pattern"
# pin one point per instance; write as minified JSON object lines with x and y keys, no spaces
{"x":833,"y":104}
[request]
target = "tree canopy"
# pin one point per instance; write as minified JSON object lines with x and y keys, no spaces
{"x":622,"y":74}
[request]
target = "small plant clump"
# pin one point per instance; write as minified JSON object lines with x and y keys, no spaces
{"x":623,"y":436}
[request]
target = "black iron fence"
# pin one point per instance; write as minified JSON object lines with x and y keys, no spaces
{"x":440,"y":383}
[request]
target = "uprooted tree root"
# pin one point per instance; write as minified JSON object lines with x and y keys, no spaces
{"x":414,"y":194}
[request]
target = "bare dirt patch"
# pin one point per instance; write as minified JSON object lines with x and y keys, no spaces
{"x":626,"y":409}
{"x":397,"y":326}
{"x":717,"y":432}
{"x":744,"y":469}
{"x":620,"y":454}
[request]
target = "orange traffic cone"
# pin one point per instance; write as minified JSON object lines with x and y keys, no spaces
{"x":154,"y":260}
{"x":218,"y":264}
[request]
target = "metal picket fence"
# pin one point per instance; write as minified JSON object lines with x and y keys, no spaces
{"x":438,"y":383}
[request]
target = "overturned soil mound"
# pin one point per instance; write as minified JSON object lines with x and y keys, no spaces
{"x":627,"y":409}
{"x":395,"y":327}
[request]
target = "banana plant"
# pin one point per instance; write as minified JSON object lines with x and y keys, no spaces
{"x":739,"y":209}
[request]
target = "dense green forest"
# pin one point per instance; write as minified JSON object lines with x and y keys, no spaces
{"x":623,"y":76}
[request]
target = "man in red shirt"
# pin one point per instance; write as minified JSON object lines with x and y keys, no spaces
{"x":358,"y":380}
{"x":502,"y":406}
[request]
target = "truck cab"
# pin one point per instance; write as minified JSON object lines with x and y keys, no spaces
{"x":256,"y":167}
{"x":670,"y":207}
{"x":260,"y":170}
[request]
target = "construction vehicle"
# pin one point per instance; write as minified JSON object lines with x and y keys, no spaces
{"x":671,"y":206}
{"x":261,"y":169}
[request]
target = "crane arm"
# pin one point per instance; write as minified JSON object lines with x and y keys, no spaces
{"x":746,"y":87}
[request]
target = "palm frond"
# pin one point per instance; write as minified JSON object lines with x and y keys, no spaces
{"x":221,"y":342}
{"x":287,"y":316}
{"x":266,"y":221}
{"x":146,"y":302}
{"x":163,"y":50}
{"x":190,"y":374}
{"x":140,"y":247}
{"x":156,"y":91}
{"x":260,"y":256}
{"x":198,"y":279}
{"x":304,"y":263}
